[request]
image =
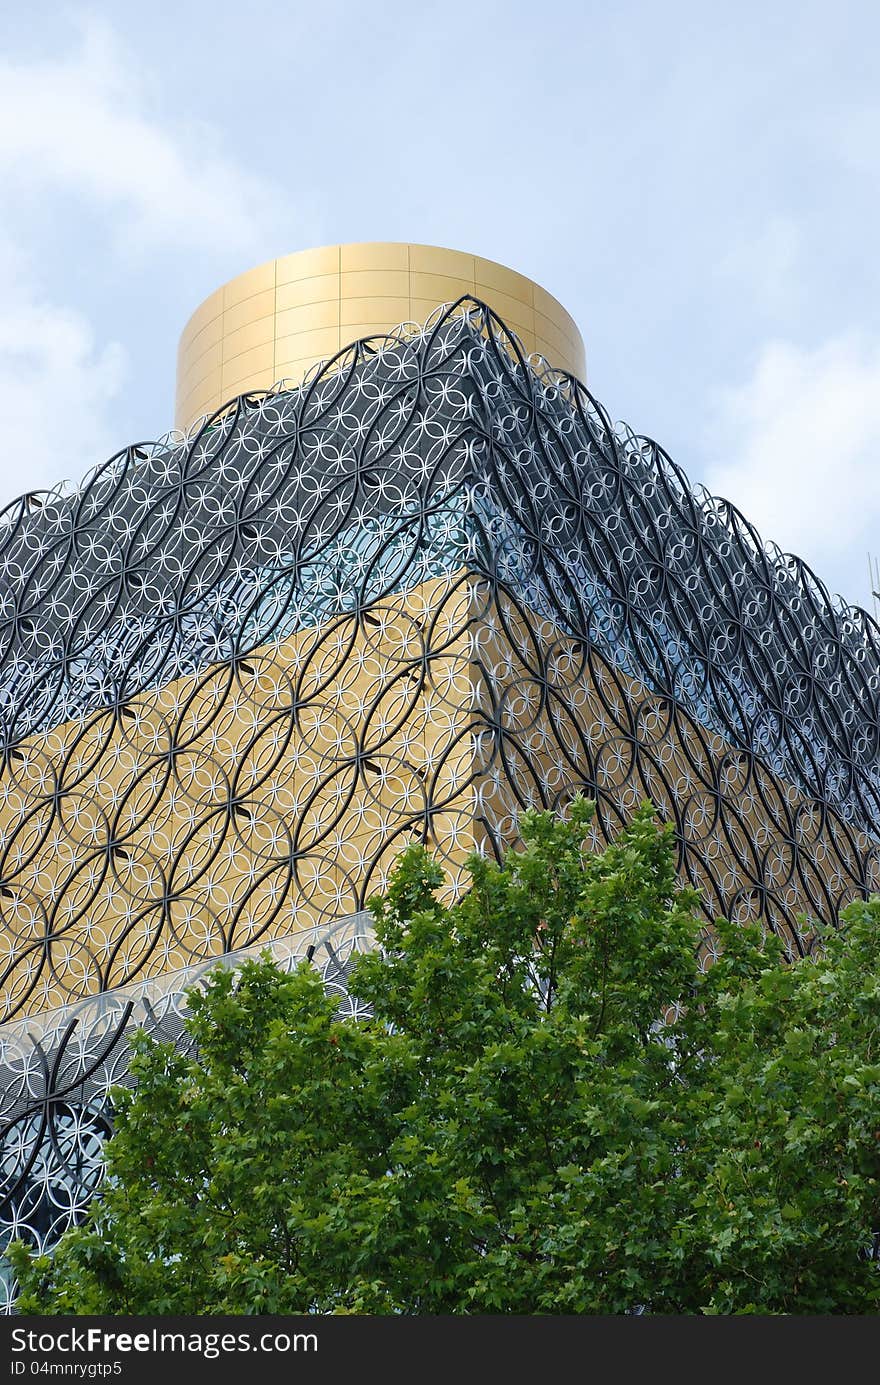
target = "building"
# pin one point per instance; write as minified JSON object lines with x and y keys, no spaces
{"x":404,"y":594}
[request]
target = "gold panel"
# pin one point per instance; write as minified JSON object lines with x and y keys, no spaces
{"x":513,"y":312}
{"x":353,"y":311}
{"x":363,"y":328}
{"x":496,"y":276}
{"x":546,"y":304}
{"x":259,"y":358}
{"x":439,"y":288}
{"x":307,"y":318}
{"x":199,"y":401}
{"x":260,"y":332}
{"x":545,"y":348}
{"x":251,"y":378}
{"x":374,"y":283}
{"x":374,"y":255}
{"x":319,"y":343}
{"x":247,"y":285}
{"x":260,"y":305}
{"x":549,"y":331}
{"x":307,"y":264}
{"x":209,"y":335}
{"x":296,"y":294}
{"x":433,"y":259}
{"x":295,"y":368}
{"x":203,"y":364}
{"x":313,"y":303}
{"x":206,"y":312}
{"x":422,"y":308}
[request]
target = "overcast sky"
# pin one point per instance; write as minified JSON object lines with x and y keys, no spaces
{"x":697,"y":182}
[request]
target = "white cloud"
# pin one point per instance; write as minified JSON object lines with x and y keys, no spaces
{"x":56,"y":386}
{"x":80,"y":142}
{"x":797,"y":449}
{"x":81,"y":122}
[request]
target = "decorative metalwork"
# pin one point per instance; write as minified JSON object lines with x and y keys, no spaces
{"x":57,"y":1070}
{"x":428,"y":587}
{"x":425,"y":589}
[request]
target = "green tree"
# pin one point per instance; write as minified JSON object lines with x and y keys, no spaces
{"x":553,"y":1110}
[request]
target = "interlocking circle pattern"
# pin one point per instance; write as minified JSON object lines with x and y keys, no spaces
{"x":57,"y":1072}
{"x":425,"y":589}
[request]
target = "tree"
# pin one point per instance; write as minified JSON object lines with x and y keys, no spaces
{"x":553,"y":1110}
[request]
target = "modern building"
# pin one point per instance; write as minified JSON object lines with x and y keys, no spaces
{"x":417,"y":586}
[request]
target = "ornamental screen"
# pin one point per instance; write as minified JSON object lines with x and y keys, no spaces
{"x":428,"y":588}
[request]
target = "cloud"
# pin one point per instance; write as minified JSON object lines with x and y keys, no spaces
{"x":86,"y":162}
{"x":81,"y":122}
{"x":797,"y":449}
{"x":56,"y":385}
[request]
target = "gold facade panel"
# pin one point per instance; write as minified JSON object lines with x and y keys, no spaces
{"x":323,"y":341}
{"x":551,"y":307}
{"x":247,"y":285}
{"x":200,"y":400}
{"x":308,"y":318}
{"x":549,"y":332}
{"x":439,"y":288}
{"x":380,"y":328}
{"x":207,"y":361}
{"x":252,"y":380}
{"x":374,"y":283}
{"x":544,"y":348}
{"x":260,"y":305}
{"x":314,"y":302}
{"x":432,"y":259}
{"x":550,"y":326}
{"x":207,"y":336}
{"x":293,"y":368}
{"x":206,"y":312}
{"x":354,"y":311}
{"x":421,"y":308}
{"x":199,"y":384}
{"x":307,"y":264}
{"x":513,"y":312}
{"x":258,"y":333}
{"x":374,"y":255}
{"x":506,"y":281}
{"x":319,"y":289}
{"x":258,"y":359}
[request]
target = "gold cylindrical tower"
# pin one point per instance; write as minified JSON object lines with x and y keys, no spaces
{"x":274,"y":322}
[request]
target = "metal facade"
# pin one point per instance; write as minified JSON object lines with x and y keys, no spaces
{"x":426,"y":589}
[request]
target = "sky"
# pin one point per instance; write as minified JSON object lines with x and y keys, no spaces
{"x":698,"y":184}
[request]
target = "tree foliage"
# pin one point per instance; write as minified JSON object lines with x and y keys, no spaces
{"x":553,"y":1110}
